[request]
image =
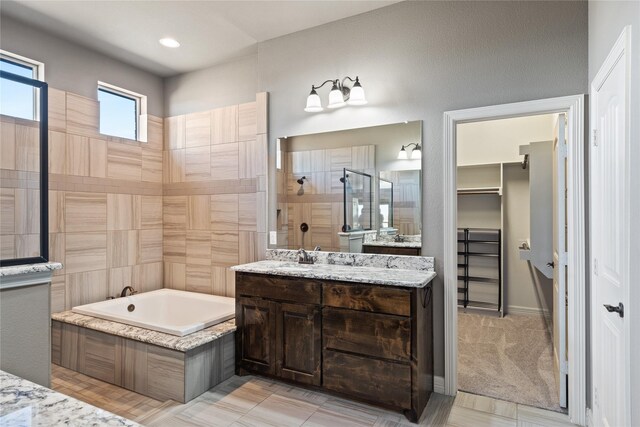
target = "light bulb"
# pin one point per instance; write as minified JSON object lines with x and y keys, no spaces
{"x":356,"y":96}
{"x":314,"y":104}
{"x":169,"y":42}
{"x":336,"y":100}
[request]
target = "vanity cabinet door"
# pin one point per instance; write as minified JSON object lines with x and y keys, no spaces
{"x":299,"y":343}
{"x":256,"y":340}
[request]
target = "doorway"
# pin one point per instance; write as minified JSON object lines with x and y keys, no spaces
{"x":573,"y":108}
{"x":511,"y":343}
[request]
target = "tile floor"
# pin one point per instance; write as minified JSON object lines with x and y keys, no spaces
{"x":253,"y":401}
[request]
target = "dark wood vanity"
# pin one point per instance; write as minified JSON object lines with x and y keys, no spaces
{"x":369,"y":342}
{"x":390,"y":250}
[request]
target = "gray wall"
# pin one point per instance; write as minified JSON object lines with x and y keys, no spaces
{"x":525,"y":286}
{"x":235,"y":82}
{"x":73,"y":68}
{"x":416,"y":60}
{"x":25,"y":337}
{"x":606,"y":21}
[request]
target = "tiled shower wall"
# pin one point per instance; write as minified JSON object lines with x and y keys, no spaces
{"x":214,"y":204}
{"x":105,"y":200}
{"x":319,"y":202}
{"x":20,"y":194}
{"x":108,"y":216}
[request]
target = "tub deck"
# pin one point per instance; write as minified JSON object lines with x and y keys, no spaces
{"x":151,"y":363}
{"x":148,"y":336}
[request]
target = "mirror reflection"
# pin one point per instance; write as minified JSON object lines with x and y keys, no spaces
{"x":350,"y":190}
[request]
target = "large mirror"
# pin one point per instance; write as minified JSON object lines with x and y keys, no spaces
{"x":356,"y":190}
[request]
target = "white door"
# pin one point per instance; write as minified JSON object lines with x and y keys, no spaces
{"x":560,"y":258}
{"x":610,"y":237}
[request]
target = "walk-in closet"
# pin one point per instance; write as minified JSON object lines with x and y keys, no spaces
{"x":506,"y":183}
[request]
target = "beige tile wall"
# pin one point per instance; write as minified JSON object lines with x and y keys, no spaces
{"x":320,"y":202}
{"x":214,"y":204}
{"x":105,"y":201}
{"x":19,"y":192}
{"x":176,"y":211}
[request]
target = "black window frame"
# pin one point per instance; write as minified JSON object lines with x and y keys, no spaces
{"x":44,"y":172}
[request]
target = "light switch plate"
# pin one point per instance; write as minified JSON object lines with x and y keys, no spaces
{"x":273,"y":237}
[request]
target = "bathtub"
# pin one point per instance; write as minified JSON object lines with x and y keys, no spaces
{"x":170,"y":311}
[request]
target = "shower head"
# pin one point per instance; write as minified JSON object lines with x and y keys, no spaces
{"x":301,"y":180}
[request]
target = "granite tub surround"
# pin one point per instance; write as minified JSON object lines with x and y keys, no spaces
{"x":160,"y":339}
{"x":23,"y":403}
{"x":421,"y":263}
{"x":42,"y":267}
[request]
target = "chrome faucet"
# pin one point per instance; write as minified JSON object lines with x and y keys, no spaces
{"x":398,"y":238}
{"x":304,"y":257}
{"x":128,"y":288}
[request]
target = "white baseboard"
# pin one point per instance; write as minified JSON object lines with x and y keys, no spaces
{"x":516,"y":309}
{"x":438,"y":385}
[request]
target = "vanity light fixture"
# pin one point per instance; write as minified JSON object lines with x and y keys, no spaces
{"x":339,"y":96}
{"x":416,"y":152}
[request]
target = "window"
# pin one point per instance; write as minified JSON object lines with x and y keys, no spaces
{"x":121,"y":111}
{"x":18,"y":99}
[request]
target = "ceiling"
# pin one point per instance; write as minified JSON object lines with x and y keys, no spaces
{"x":210,"y":32}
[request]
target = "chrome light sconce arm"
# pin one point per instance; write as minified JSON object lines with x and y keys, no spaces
{"x":339,"y":96}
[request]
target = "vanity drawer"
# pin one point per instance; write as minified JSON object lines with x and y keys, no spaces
{"x":378,"y":299}
{"x":370,"y":334}
{"x":294,"y":289}
{"x":371,"y":379}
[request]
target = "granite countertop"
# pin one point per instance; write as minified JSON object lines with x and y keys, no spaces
{"x":402,"y":262}
{"x":148,"y":336}
{"x":29,"y":268}
{"x":372,"y":275}
{"x":23,"y":403}
{"x":392,"y":244}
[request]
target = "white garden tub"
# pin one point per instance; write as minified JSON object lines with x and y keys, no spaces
{"x":170,"y":311}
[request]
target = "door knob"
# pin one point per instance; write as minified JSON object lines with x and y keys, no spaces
{"x":613,"y":308}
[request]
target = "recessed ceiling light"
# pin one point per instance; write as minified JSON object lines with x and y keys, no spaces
{"x":169,"y":42}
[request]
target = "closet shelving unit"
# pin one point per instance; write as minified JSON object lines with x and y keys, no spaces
{"x":480,"y":237}
{"x":479,"y":243}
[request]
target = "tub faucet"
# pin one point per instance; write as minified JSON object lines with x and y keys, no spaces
{"x":128,"y":288}
{"x":303,"y":257}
